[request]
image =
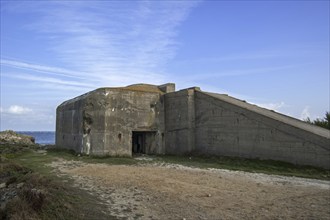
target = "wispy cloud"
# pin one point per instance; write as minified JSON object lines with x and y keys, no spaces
{"x":305,"y":113}
{"x":91,"y":44}
{"x":272,"y":106}
{"x":16,"y":110}
{"x":18,"y":117}
{"x":114,"y":42}
{"x":30,"y":77}
{"x":41,"y":68}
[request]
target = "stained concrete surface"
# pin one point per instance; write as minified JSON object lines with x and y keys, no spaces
{"x":189,"y":121}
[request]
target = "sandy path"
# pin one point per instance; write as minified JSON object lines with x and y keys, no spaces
{"x":165,"y":191}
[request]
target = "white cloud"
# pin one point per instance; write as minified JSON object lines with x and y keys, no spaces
{"x":40,"y":68}
{"x":272,"y":106}
{"x":90,"y":44}
{"x":305,"y":113}
{"x":49,"y":80}
{"x":16,"y":110}
{"x":17,"y":117}
{"x":109,"y":43}
{"x":115,"y":42}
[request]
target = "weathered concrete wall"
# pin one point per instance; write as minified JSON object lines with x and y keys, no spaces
{"x":69,"y":133}
{"x":132,"y":111}
{"x":188,"y":121}
{"x":224,"y":126}
{"x":167,"y":88}
{"x":101,"y":122}
{"x":179,"y":122}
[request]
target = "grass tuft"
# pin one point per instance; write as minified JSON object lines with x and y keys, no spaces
{"x":31,"y":191}
{"x":249,"y":165}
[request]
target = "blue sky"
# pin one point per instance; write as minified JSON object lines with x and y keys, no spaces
{"x":271,"y":53}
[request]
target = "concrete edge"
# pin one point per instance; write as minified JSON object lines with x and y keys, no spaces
{"x":272,"y":114}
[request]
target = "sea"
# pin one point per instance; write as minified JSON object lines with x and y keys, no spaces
{"x":41,"y":137}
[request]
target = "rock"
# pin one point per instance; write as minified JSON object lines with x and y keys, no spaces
{"x":2,"y":185}
{"x":208,"y":195}
{"x":11,"y":137}
{"x":20,"y":185}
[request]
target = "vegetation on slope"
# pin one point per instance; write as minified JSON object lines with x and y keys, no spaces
{"x":249,"y":165}
{"x":324,"y":122}
{"x":28,"y":190}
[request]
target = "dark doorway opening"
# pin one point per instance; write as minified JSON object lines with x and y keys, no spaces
{"x":138,"y":142}
{"x":143,"y":142}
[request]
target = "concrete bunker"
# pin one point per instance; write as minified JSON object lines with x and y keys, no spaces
{"x":151,"y":119}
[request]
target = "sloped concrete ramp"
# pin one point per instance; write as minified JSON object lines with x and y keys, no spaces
{"x":231,"y":127}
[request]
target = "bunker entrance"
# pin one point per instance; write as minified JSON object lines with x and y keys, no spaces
{"x":143,"y":142}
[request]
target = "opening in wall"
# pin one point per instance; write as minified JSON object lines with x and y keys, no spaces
{"x":143,"y":142}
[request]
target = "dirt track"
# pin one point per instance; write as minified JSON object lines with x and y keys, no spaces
{"x":165,"y":191}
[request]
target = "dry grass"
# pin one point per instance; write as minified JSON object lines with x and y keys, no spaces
{"x":34,"y":196}
{"x":143,"y":88}
{"x":27,"y":194}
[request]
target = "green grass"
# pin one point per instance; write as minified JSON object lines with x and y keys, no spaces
{"x":71,"y":155}
{"x":43,"y":194}
{"x":62,"y":201}
{"x":12,"y":150}
{"x":248,"y":165}
{"x":35,"y":161}
{"x":47,"y":198}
